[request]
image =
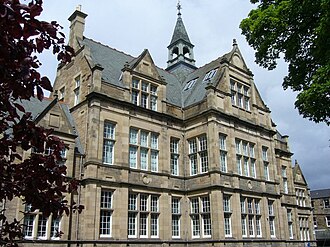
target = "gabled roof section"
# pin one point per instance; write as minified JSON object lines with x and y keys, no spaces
{"x":298,"y":176}
{"x":113,"y":61}
{"x":198,"y":92}
{"x":40,"y":109}
{"x":235,"y":57}
{"x":180,"y":32}
{"x":36,"y":107}
{"x":144,"y":64}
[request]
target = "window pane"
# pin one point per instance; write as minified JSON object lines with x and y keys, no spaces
{"x":204,"y":161}
{"x":42,"y":226}
{"x":132,"y":157}
{"x":154,"y":204}
{"x":135,"y":84}
{"x":55,"y":228}
{"x":105,"y":223}
{"x":144,"y":139}
{"x":144,"y":159}
{"x":28,"y":226}
{"x":194,"y":206}
{"x":154,"y":141}
{"x":108,"y":151}
{"x":106,"y":201}
{"x":132,"y":202}
{"x":143,"y":224}
{"x":109,"y":131}
{"x":131,"y":224}
{"x":193,"y":164}
{"x":144,"y":202}
{"x":133,"y":134}
{"x":154,"y":161}
{"x":154,"y":225}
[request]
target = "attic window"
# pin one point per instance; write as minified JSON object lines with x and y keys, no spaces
{"x":144,"y":94}
{"x":240,"y":95}
{"x":209,"y":75}
{"x":190,"y":84}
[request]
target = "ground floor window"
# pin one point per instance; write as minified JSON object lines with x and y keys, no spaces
{"x":143,"y":215}
{"x":36,"y":226}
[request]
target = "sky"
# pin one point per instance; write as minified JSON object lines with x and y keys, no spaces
{"x":134,"y":25}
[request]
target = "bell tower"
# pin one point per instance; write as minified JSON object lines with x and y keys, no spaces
{"x":180,"y":49}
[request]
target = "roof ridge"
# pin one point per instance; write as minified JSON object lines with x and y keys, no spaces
{"x":212,"y":61}
{"x":107,"y":46}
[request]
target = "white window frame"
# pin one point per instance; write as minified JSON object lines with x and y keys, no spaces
{"x":143,"y":150}
{"x":245,"y":159}
{"x":190,"y":84}
{"x":174,"y":159}
{"x":176,"y":217}
{"x":144,"y":94}
{"x":200,"y":215}
{"x":106,"y":211}
{"x":227,"y":225}
{"x":327,"y":220}
{"x":240,"y":96}
{"x":223,"y":152}
{"x":244,"y":225}
{"x":143,"y":215}
{"x":209,"y":75}
{"x":198,"y":155}
{"x":32,"y":221}
{"x":108,"y":142}
{"x":76,"y":91}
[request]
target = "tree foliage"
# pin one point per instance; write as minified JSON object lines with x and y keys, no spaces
{"x":38,"y":180}
{"x":300,"y":30}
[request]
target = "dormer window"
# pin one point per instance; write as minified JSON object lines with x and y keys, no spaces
{"x":144,"y":94}
{"x":190,"y":84}
{"x":209,"y":75}
{"x":240,"y":95}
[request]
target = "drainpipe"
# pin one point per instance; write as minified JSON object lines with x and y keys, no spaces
{"x":79,"y":195}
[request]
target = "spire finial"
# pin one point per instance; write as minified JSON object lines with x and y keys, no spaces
{"x":234,"y":42}
{"x":179,"y":7}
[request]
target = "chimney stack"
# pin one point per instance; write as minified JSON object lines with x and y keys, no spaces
{"x":77,"y":27}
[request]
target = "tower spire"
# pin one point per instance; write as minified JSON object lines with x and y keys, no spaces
{"x":180,"y":49}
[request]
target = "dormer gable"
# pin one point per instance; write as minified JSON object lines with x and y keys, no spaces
{"x":298,"y":176}
{"x":236,"y":59}
{"x":145,"y":66}
{"x":52,"y":115}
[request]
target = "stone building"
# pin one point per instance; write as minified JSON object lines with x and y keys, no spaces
{"x":321,"y":216}
{"x":182,"y":156}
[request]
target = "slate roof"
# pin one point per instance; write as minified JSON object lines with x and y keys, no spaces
{"x":315,"y":194}
{"x":72,"y":123}
{"x":180,"y":32}
{"x":113,"y":61}
{"x":198,"y":91}
{"x":37,"y":107}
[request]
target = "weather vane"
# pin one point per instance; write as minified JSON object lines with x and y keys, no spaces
{"x":179,"y":7}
